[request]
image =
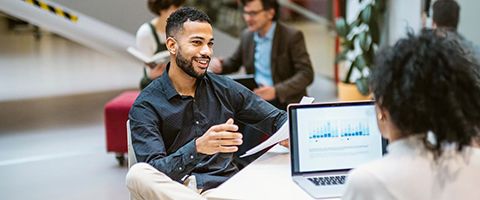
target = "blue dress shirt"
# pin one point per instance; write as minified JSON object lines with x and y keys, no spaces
{"x":263,"y":57}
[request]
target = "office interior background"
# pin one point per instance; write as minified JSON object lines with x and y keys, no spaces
{"x":57,"y":74}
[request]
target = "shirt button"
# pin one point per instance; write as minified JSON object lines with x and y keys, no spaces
{"x":180,"y":168}
{"x":191,"y":156}
{"x":196,"y":122}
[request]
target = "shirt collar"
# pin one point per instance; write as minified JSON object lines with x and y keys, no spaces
{"x":167,"y":85}
{"x":407,"y":145}
{"x":268,"y":36}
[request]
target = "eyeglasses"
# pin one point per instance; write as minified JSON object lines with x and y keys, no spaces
{"x":252,"y":13}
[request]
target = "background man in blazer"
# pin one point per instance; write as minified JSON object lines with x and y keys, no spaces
{"x":273,"y":52}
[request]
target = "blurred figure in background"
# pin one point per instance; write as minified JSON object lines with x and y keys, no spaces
{"x":428,"y":101}
{"x":151,"y":37}
{"x":275,"y":53}
{"x":446,"y":17}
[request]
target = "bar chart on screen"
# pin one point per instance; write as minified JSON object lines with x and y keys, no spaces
{"x":340,"y":129}
{"x":341,"y":136}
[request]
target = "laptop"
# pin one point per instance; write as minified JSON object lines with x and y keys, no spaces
{"x":247,"y":80}
{"x":327,"y":140}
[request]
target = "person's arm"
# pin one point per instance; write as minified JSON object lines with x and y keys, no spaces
{"x":253,"y":110}
{"x":145,"y":43}
{"x":144,"y":40}
{"x":150,"y":148}
{"x":302,"y":66}
{"x":234,"y":62}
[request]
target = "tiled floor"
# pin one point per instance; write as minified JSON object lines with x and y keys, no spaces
{"x":54,"y":148}
{"x":52,"y":143}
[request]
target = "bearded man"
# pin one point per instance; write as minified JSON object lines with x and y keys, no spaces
{"x":183,"y":124}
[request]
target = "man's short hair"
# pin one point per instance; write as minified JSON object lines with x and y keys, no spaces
{"x":267,"y":4}
{"x":179,"y":17}
{"x":446,"y":13}
{"x":155,"y":6}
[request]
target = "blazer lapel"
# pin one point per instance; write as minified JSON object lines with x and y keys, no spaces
{"x":275,"y":50}
{"x":250,"y":53}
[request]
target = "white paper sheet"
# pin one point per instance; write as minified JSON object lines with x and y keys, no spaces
{"x":158,"y":58}
{"x":280,"y":135}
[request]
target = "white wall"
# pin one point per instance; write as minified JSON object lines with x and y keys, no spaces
{"x":469,"y":25}
{"x":407,"y":13}
{"x":127,"y":15}
{"x":403,"y":15}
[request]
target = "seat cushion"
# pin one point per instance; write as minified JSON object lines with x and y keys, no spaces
{"x":116,"y":115}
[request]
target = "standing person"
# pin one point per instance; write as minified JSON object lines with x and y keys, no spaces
{"x":427,"y":101}
{"x":151,"y":38}
{"x":273,"y":52}
{"x":446,"y":17}
{"x":183,"y":125}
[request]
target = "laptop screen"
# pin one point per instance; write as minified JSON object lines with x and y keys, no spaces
{"x":335,"y":136}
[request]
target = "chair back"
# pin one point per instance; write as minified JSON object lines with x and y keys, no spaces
{"x":132,"y":159}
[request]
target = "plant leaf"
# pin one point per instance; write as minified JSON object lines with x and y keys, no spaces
{"x":348,"y":44}
{"x":362,"y":85}
{"x":366,"y":14}
{"x":365,"y":41}
{"x":342,"y":27}
{"x":355,"y":23}
{"x":359,"y":62}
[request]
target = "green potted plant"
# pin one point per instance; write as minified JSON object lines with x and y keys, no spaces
{"x":359,"y":41}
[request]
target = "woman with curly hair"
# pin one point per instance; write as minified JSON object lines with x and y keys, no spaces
{"x":151,"y":36}
{"x":428,"y":107}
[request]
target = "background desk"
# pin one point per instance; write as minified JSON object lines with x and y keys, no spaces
{"x":268,"y":177}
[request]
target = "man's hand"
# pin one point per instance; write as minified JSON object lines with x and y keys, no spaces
{"x":216,"y":66}
{"x":265,"y":92}
{"x":221,"y":138}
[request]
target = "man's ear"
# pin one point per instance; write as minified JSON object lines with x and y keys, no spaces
{"x":171,"y":45}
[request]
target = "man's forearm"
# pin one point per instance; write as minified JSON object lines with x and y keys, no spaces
{"x":180,"y":163}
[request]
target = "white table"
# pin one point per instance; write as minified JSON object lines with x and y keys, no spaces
{"x":268,"y":177}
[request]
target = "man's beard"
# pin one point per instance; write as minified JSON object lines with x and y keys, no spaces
{"x":187,"y":66}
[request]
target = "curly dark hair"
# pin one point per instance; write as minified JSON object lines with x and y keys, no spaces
{"x":176,"y":19}
{"x":427,"y":84}
{"x":155,"y":6}
{"x":267,"y":4}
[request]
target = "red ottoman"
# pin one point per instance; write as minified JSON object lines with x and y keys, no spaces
{"x":116,"y":116}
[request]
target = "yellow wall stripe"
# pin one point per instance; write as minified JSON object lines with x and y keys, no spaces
{"x":59,"y":12}
{"x":43,"y":5}
{"x":52,"y":9}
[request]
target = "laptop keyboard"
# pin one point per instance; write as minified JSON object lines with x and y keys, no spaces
{"x":328,"y":180}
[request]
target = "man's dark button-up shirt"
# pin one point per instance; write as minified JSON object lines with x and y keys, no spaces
{"x":165,"y":124}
